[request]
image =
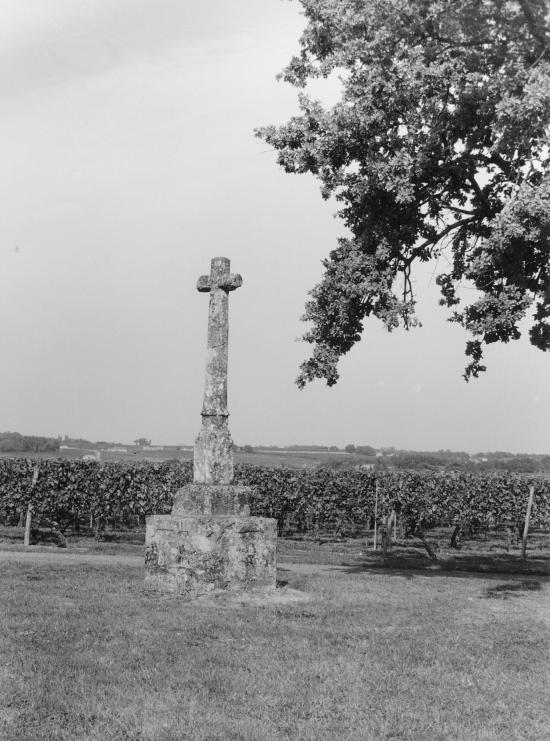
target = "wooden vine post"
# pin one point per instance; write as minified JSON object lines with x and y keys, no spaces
{"x":527,"y":519}
{"x":375,"y":515}
{"x":27,"y":538}
{"x":386,"y":535}
{"x":28,"y":521}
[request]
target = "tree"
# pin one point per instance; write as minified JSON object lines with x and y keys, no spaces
{"x":142,"y":442}
{"x":365,"y":450}
{"x":437,"y":150}
{"x":350,"y":448}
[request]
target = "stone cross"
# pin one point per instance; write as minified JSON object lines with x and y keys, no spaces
{"x":213,"y":459}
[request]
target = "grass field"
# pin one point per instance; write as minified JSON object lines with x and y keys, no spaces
{"x":363,"y":654}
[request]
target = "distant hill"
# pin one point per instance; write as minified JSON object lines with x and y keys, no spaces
{"x":294,"y":456}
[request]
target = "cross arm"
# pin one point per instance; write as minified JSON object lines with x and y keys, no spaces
{"x":228,"y":282}
{"x":203,"y":283}
{"x":231,"y":281}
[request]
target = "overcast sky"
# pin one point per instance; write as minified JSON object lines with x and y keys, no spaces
{"x":128,"y":161}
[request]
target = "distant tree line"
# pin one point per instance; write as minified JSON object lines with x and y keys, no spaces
{"x":360,"y":449}
{"x":14,"y":442}
{"x":412,"y":461}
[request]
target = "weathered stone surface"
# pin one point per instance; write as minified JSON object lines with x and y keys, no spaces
{"x":202,"y":553}
{"x":213,"y":456}
{"x":213,"y":460}
{"x":211,"y":499}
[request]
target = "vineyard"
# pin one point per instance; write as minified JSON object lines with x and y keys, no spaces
{"x":76,"y":494}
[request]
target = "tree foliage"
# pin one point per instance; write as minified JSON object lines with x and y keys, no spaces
{"x":436,"y":150}
{"x":142,"y":442}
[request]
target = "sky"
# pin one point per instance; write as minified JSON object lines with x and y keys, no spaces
{"x":128,"y":162}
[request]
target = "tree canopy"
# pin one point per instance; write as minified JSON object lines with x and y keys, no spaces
{"x":438,"y":149}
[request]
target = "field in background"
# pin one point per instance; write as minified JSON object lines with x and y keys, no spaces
{"x":300,"y":459}
{"x":289,"y":459}
{"x":292,"y":456}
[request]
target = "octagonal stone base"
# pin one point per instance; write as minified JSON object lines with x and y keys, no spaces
{"x":212,"y":499}
{"x":200,"y":554}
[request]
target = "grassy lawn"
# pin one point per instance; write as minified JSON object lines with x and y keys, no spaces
{"x":85,"y":653}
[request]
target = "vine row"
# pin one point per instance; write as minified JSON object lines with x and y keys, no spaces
{"x":65,"y":492}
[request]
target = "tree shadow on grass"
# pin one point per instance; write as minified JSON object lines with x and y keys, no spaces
{"x":510,"y":589}
{"x":463,"y":564}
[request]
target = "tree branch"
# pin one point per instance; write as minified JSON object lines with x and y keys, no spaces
{"x":538,"y":30}
{"x":498,"y":160}
{"x":434,"y":240}
{"x":458,"y":210}
{"x":480,"y":194}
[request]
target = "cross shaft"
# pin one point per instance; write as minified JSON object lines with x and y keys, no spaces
{"x":213,"y":459}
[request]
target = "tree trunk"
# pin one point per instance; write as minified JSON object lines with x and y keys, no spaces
{"x":420,"y":535}
{"x":455,"y":537}
{"x":510,"y":534}
{"x":385,"y":541}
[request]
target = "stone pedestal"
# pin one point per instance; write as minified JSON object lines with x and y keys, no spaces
{"x":212,"y":499}
{"x":210,"y":544}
